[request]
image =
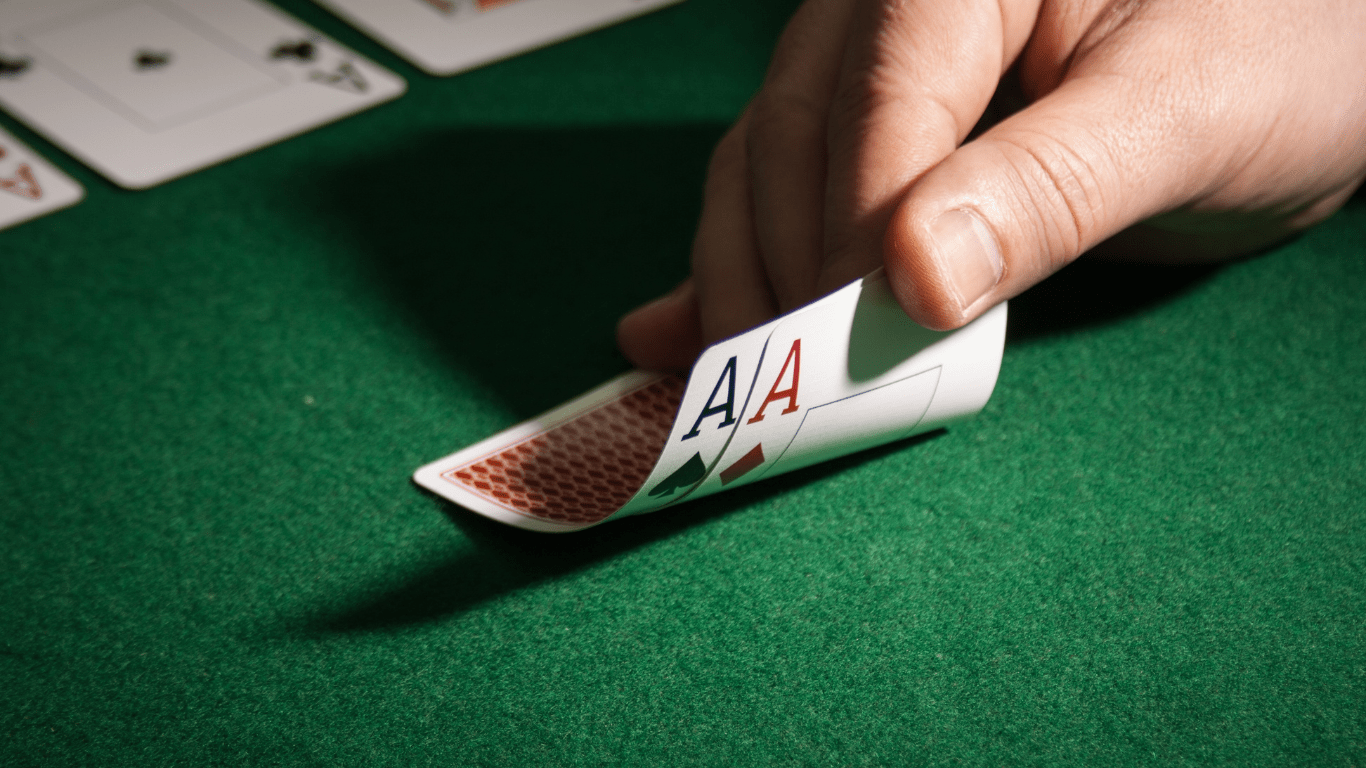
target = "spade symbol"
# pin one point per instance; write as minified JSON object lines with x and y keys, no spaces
{"x":13,"y":67}
{"x":300,"y":50}
{"x":691,"y":471}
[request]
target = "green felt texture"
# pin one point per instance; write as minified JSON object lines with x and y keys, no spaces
{"x":1149,"y":549}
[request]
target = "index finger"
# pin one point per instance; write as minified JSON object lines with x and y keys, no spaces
{"x":916,"y":77}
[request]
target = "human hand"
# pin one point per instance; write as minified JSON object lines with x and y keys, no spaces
{"x":1215,"y":127}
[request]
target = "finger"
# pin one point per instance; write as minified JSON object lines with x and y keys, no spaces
{"x":915,"y":79}
{"x":1027,"y":197}
{"x":664,"y":335}
{"x":728,"y":291}
{"x":787,"y":146}
{"x":732,"y":287}
{"x":1250,"y":132}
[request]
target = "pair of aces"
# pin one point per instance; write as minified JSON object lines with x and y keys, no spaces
{"x":847,"y":372}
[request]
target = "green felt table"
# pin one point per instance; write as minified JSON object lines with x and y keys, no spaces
{"x":1150,"y":547}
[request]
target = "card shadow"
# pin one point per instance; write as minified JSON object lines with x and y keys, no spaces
{"x":1095,"y":292}
{"x":879,"y":337}
{"x":503,"y":559}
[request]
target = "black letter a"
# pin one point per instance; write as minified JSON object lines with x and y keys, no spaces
{"x":727,"y":375}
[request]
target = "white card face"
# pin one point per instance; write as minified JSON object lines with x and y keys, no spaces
{"x":31,"y":186}
{"x":147,"y":91}
{"x":719,"y":386}
{"x":851,"y":372}
{"x":443,"y":37}
{"x":844,"y":373}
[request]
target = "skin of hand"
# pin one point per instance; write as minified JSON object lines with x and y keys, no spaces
{"x":1165,"y":130}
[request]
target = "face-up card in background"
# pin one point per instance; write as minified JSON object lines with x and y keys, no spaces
{"x":844,"y":373}
{"x":444,"y":37}
{"x":29,"y":185}
{"x":145,"y":91}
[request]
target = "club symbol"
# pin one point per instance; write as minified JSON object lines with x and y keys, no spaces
{"x":146,"y":60}
{"x":346,"y":77}
{"x":299,"y":50}
{"x":13,"y":67}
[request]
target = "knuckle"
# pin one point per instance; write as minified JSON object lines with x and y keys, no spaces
{"x":778,"y":115}
{"x":1063,"y":192}
{"x":861,"y":97}
{"x":887,"y":70}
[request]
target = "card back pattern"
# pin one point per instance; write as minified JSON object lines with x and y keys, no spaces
{"x":583,"y":470}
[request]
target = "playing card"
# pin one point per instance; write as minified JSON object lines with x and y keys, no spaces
{"x":444,"y":37}
{"x":147,"y":91}
{"x":616,"y":450}
{"x":29,"y":185}
{"x":571,"y":467}
{"x":844,"y":373}
{"x":851,"y":372}
{"x":719,"y":387}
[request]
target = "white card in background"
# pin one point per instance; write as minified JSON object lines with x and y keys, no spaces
{"x":444,"y":37}
{"x":847,"y":372}
{"x":146,"y":91}
{"x":31,"y":186}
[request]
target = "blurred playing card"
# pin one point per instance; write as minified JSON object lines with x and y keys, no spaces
{"x":31,"y":186}
{"x":147,"y":91}
{"x":444,"y":37}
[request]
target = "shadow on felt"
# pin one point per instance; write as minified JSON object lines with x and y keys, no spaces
{"x":516,"y":250}
{"x":505,"y":559}
{"x":1090,"y":293}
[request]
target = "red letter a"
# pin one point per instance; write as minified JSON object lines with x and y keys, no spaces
{"x":794,"y":359}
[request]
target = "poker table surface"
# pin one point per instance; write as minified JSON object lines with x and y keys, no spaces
{"x":1149,"y":548}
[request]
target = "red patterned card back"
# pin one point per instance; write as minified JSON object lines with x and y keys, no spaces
{"x":585,"y":469}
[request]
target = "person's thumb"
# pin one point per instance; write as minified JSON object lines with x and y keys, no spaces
{"x":1027,"y":197}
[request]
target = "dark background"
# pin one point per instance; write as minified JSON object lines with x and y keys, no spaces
{"x":1148,"y":549}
